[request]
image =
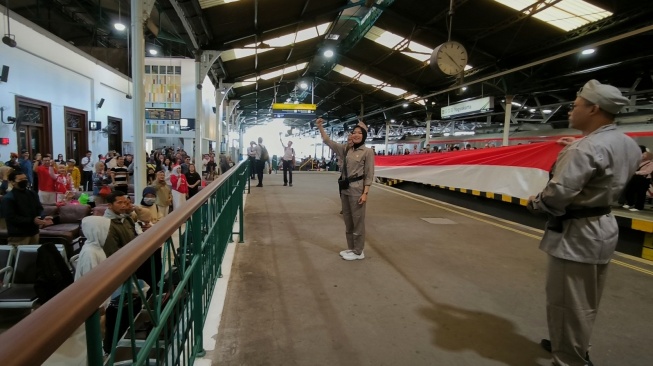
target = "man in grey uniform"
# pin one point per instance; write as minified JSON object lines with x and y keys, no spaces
{"x":581,"y":235}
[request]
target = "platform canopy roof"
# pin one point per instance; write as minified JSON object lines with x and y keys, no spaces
{"x":274,"y":50}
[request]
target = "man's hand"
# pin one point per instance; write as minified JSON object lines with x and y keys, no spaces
{"x":319,"y":122}
{"x":567,"y":140}
{"x":362,"y":199}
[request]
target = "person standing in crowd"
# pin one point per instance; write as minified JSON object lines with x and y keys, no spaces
{"x":26,"y":167}
{"x":581,"y":234}
{"x":63,"y":184}
{"x":13,"y":161}
{"x":46,"y":179}
{"x":60,"y":160}
{"x":638,"y":185}
{"x":123,"y":229}
{"x":251,"y":155}
{"x":75,"y":175}
{"x":288,"y":162}
{"x":358,"y":172}
{"x":211,"y":168}
{"x":96,"y":230}
{"x":179,"y":188}
{"x":163,"y":193}
{"x":100,"y":179}
{"x":194,"y":180}
{"x":148,"y":212}
{"x":120,"y":175}
{"x":35,"y":177}
{"x":87,"y":171}
{"x":262,"y":157}
{"x":23,"y":212}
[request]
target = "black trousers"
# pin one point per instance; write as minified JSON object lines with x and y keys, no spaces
{"x":260,"y":165}
{"x":252,"y":167}
{"x":287,"y":170}
{"x":87,"y":180}
{"x":636,"y":191}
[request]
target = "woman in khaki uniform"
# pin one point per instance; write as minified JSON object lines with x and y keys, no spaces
{"x":358,"y":171}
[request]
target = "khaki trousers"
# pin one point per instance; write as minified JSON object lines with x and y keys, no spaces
{"x":573,"y":293}
{"x":23,"y":240}
{"x":354,"y":216}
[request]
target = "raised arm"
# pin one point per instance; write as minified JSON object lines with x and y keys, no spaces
{"x":319,"y":122}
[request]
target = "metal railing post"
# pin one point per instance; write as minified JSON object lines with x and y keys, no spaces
{"x":94,"y":340}
{"x":198,"y":285}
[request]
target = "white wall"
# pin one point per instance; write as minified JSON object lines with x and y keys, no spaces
{"x":46,"y":68}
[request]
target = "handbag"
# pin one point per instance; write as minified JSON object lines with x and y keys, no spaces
{"x":104,"y":191}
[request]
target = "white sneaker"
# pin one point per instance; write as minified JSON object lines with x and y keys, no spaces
{"x":633,"y":209}
{"x":626,"y":206}
{"x":351,"y":256}
{"x":342,"y":254}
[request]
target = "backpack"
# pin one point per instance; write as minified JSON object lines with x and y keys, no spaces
{"x":52,"y":273}
{"x":264,"y":154}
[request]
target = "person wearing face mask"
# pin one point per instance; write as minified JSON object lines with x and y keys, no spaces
{"x":23,"y":212}
{"x":148,"y":212}
{"x":357,"y":177}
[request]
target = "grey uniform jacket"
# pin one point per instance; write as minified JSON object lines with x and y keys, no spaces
{"x":360,"y":162}
{"x":591,"y":172}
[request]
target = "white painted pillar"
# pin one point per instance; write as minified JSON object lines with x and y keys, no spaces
{"x":506,"y":120}
{"x":138,"y":115}
{"x":427,"y":140}
{"x":199,"y":114}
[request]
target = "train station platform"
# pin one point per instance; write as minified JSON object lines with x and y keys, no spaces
{"x":440,"y":285}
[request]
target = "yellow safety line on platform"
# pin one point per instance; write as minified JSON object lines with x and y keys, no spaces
{"x":632,"y":267}
{"x":538,"y":237}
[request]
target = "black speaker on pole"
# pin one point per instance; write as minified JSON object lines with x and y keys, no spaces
{"x":5,"y":73}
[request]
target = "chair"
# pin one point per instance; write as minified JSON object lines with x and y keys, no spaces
{"x":7,"y":254}
{"x":19,"y":291}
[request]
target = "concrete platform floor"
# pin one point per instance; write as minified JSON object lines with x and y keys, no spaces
{"x":440,"y":285}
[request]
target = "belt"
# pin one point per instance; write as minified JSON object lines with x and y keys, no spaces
{"x":555,"y":223}
{"x":581,"y":213}
{"x":356,"y":179}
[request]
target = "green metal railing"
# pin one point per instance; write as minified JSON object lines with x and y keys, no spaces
{"x":167,"y":330}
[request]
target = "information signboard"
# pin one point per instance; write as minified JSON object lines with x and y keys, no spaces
{"x":287,"y":110}
{"x":469,"y":107}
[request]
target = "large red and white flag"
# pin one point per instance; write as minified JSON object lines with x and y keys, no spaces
{"x":518,"y":171}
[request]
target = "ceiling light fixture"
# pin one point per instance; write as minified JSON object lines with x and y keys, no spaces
{"x":153,"y":52}
{"x":405,"y":105}
{"x":588,"y":51}
{"x":119,"y":26}
{"x":546,"y":111}
{"x":328,"y":53}
{"x":303,"y":85}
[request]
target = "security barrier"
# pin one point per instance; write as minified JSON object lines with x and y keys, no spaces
{"x":168,"y":331}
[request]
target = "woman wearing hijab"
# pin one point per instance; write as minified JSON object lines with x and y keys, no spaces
{"x":179,"y":187}
{"x":194,"y":180}
{"x":357,"y":177}
{"x":148,"y":213}
{"x":96,"y":229}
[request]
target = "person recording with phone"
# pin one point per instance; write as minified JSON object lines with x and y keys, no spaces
{"x":355,"y":182}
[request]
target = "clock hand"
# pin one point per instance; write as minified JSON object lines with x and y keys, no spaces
{"x":452,"y":60}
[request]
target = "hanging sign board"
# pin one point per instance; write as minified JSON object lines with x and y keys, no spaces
{"x":289,"y":110}
{"x":469,"y":107}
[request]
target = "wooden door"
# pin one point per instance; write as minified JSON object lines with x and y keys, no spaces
{"x":76,"y":133}
{"x":33,"y":126}
{"x":114,"y":134}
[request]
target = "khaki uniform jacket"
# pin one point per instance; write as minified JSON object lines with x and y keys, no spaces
{"x":163,"y":194}
{"x":591,"y":172}
{"x":121,"y":232}
{"x":360,"y":162}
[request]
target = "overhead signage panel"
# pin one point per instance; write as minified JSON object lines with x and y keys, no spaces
{"x":300,"y":111}
{"x":469,"y":107}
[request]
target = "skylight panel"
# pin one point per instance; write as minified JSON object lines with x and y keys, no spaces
{"x":346,"y":71}
{"x":366,"y":79}
{"x":282,"y":41}
{"x":271,"y":75}
{"x":393,"y":90}
{"x":566,"y":14}
{"x":392,"y":41}
{"x":413,"y":96}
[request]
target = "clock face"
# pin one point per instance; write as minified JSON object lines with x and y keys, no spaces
{"x":450,"y":58}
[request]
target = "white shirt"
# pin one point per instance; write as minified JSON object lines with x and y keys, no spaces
{"x":288,"y":153}
{"x":87,"y":163}
{"x":251,"y":151}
